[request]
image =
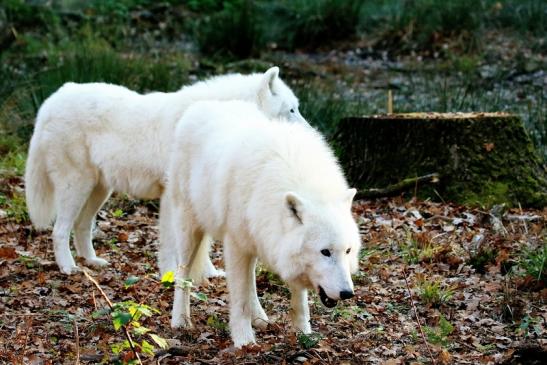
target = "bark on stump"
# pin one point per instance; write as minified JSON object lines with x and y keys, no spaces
{"x":482,"y":158}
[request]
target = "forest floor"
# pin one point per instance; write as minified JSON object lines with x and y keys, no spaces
{"x":438,"y":283}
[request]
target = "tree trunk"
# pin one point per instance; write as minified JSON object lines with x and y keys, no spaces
{"x":482,"y":158}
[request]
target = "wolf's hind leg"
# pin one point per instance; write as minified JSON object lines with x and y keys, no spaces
{"x":210,"y":271}
{"x":70,"y":196}
{"x":84,"y":225}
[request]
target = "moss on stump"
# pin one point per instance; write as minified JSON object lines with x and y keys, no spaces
{"x":482,"y":158}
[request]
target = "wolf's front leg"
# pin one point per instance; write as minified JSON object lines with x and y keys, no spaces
{"x":300,"y":311}
{"x":238,"y":268}
{"x":180,"y":317}
{"x":258,"y":315}
{"x":183,"y":250}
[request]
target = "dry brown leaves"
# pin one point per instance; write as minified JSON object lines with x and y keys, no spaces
{"x":492,"y":313}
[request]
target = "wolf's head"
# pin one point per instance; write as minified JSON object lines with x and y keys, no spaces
{"x":326,"y":244}
{"x":276,"y":99}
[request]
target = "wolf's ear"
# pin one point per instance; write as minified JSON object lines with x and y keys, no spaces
{"x":294,"y":205}
{"x":269,"y":78}
{"x":350,"y":194}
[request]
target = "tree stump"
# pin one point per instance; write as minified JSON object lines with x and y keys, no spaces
{"x":481,"y":158}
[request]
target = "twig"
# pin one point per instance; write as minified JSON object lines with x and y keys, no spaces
{"x":94,"y":300}
{"x":125,"y":330}
{"x":417,"y":317}
{"x":77,"y":335}
{"x":396,"y":188}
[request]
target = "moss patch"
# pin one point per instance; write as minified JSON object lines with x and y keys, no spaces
{"x":483,"y":159}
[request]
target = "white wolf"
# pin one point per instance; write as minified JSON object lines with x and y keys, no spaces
{"x":92,"y":139}
{"x":269,"y":190}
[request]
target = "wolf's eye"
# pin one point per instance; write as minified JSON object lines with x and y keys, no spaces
{"x":348,"y":251}
{"x":292,"y":110}
{"x":325,"y":252}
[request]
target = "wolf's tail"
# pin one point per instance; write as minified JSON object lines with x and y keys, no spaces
{"x":39,"y":190}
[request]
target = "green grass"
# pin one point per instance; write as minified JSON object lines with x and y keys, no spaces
{"x":101,"y":43}
{"x":324,"y":111}
{"x":15,"y":206}
{"x":432,"y":292}
{"x":415,"y":250}
{"x":13,"y":163}
{"x":89,"y":61}
{"x":534,"y":262}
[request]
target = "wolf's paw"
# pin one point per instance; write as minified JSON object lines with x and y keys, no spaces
{"x":242,"y":340}
{"x":260,"y":323}
{"x":259,"y":318}
{"x":69,"y":269}
{"x":181,"y":322}
{"x":96,"y":261}
{"x":212,"y":272}
{"x":302,"y":326}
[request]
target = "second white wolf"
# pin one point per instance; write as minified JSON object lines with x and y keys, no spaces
{"x":92,"y":139}
{"x":269,"y":190}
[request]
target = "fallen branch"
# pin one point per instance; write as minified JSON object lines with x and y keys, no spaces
{"x":125,"y":330}
{"x":524,"y":218}
{"x":396,"y":188}
{"x":417,"y":317}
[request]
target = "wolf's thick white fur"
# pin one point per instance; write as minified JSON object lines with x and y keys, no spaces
{"x":270,"y":190}
{"x":92,"y":139}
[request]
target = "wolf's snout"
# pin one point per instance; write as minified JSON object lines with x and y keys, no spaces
{"x":346,"y":294}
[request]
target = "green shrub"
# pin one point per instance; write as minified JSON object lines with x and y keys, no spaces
{"x":241,"y":28}
{"x":309,"y":24}
{"x":231,"y":31}
{"x":529,"y":16}
{"x":439,"y":335}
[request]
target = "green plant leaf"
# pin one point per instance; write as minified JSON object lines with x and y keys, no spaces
{"x":100,"y":313}
{"x":160,"y":341}
{"x":308,"y":341}
{"x":147,"y":348}
{"x":168,"y":279}
{"x":140,"y":330}
{"x":119,"y":347}
{"x":199,"y":296}
{"x":120,"y":319}
{"x":132,"y":280}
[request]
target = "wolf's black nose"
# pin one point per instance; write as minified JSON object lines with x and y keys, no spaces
{"x":346,"y":294}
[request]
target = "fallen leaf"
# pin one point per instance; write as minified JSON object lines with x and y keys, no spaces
{"x":8,"y":253}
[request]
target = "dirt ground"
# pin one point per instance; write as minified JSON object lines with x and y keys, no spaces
{"x":438,"y":283}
